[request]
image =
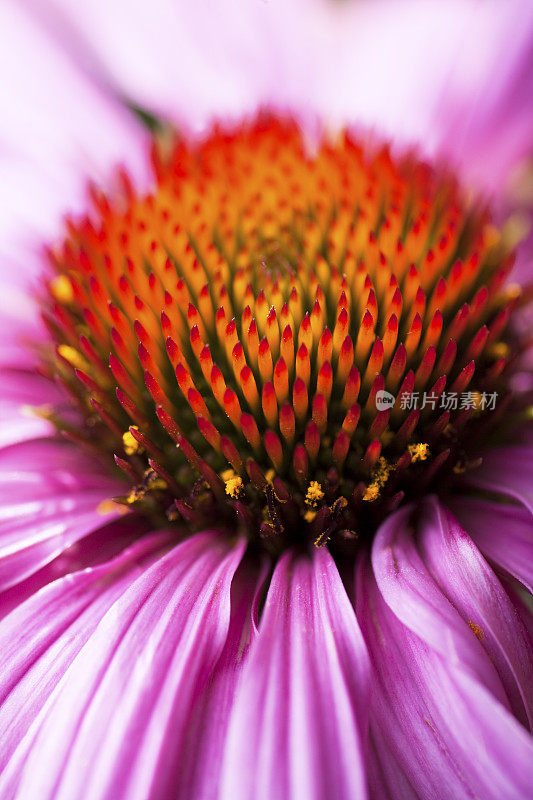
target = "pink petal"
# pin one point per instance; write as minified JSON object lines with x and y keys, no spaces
{"x":466,"y":580}
{"x":299,"y":720}
{"x":51,"y":496}
{"x":70,"y":608}
{"x":522,"y":603}
{"x":486,"y":117}
{"x":232,"y":57}
{"x":58,"y":130}
{"x":504,"y":533}
{"x":113,"y":722}
{"x":386,"y":778}
{"x":437,"y":732}
{"x":441,"y":74}
{"x":417,"y":600}
{"x":20,"y":392}
{"x":101,"y":544}
{"x":507,"y":471}
{"x":202,"y":753}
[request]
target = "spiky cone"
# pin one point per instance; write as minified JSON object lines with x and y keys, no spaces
{"x":233,"y":337}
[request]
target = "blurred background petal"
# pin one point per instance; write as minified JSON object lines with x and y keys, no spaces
{"x":58,"y":128}
{"x":443,"y":74}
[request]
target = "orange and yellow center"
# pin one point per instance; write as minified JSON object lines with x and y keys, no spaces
{"x":229,"y":336}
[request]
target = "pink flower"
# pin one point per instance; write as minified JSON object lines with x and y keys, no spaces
{"x":274,"y":635}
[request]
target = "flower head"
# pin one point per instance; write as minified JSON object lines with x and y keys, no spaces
{"x":266,"y":470}
{"x":258,"y":306}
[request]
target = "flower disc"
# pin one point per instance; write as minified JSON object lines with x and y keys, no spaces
{"x":271,"y":338}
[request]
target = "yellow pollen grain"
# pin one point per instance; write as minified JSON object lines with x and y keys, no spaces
{"x":233,"y":483}
{"x":310,"y":515}
{"x":110,"y":507}
{"x":61,"y":288}
{"x":135,"y":494}
{"x":131,"y":445}
{"x":154,"y":481}
{"x":270,"y":475}
{"x":380,"y":476}
{"x":383,"y":470}
{"x":418,"y":452}
{"x":71,"y":355}
{"x":476,"y":629}
{"x":321,"y":540}
{"x":499,"y":350}
{"x":41,"y":412}
{"x":371,"y":492}
{"x":314,"y":494}
{"x":516,"y":229}
{"x":513,"y":291}
{"x":462,"y":466}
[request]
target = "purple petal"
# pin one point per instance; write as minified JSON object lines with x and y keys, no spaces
{"x":100,"y":545}
{"x":522,"y":602}
{"x":508,"y":471}
{"x":467,"y":581}
{"x":20,"y":392}
{"x":57,"y":623}
{"x":51,"y":498}
{"x":436,"y":731}
{"x":300,"y":715}
{"x":203,"y":749}
{"x":58,"y":129}
{"x":386,"y":778}
{"x":416,"y":599}
{"x":450,"y":80}
{"x":484,"y":117}
{"x":503,"y":533}
{"x":112,"y":723}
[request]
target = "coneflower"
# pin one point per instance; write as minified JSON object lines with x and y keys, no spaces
{"x":267,"y":480}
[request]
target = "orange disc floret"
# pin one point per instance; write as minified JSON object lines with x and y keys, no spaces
{"x":277,"y":335}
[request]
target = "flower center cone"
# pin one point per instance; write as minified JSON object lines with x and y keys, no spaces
{"x":282,"y":341}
